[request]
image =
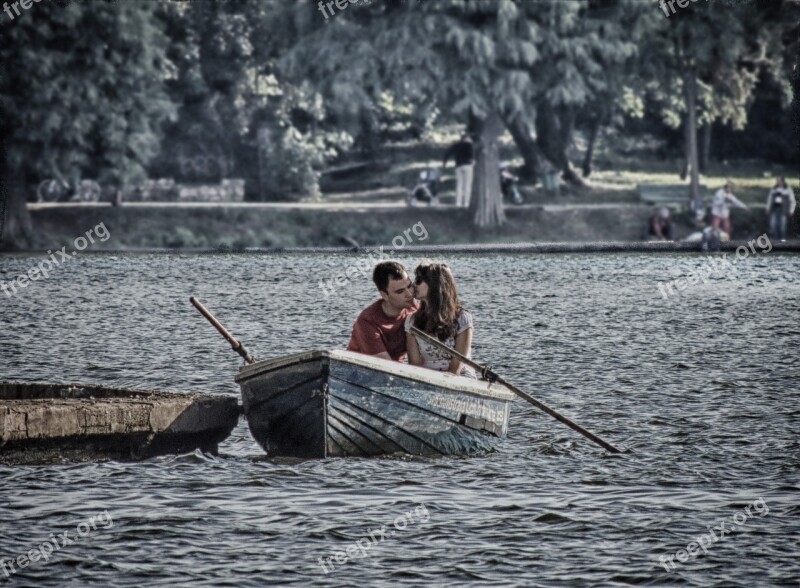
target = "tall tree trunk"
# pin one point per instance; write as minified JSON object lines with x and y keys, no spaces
{"x":487,"y":197}
{"x":567,"y":116}
{"x":264,"y":142}
{"x":554,"y":135}
{"x":685,"y":166}
{"x":690,"y":84}
{"x":16,"y":228}
{"x":518,"y":127}
{"x":705,"y":147}
{"x":587,"y":159}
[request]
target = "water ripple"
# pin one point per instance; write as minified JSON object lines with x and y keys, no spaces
{"x":702,"y":389}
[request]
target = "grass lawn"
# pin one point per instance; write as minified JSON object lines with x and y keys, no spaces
{"x":614,"y":179}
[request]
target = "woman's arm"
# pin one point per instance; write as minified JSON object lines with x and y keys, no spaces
{"x":412,"y":348}
{"x":463,"y":345}
{"x":736,"y":202}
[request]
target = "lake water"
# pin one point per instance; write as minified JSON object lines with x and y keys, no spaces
{"x":702,"y":388}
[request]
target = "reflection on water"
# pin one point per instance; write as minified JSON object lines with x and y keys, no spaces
{"x":702,"y":388}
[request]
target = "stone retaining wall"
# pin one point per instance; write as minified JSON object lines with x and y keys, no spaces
{"x":92,"y":421}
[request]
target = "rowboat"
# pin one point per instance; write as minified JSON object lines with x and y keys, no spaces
{"x":335,"y":403}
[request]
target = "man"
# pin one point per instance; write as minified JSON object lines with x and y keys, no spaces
{"x":379,"y":328}
{"x":464,"y":154}
{"x":660,"y":226}
{"x":712,"y":238}
{"x":720,"y":208}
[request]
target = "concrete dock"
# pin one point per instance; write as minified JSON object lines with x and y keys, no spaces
{"x":46,"y":423}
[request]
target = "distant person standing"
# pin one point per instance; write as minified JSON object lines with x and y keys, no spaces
{"x":720,"y":208}
{"x":464,"y":154}
{"x":780,"y":208}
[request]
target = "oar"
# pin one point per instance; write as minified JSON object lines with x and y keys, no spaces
{"x":488,"y":374}
{"x":236,"y":345}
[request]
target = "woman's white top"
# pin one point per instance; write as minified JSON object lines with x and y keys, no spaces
{"x":720,"y":205}
{"x":436,"y":359}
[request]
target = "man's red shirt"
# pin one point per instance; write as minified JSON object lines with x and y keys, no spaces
{"x":376,"y":332}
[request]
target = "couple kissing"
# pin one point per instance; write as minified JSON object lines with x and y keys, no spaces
{"x":430,"y":303}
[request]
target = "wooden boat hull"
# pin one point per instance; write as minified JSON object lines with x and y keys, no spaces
{"x":337,"y":404}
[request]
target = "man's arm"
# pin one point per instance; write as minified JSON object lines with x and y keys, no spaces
{"x":366,"y":339}
{"x":656,"y":226}
{"x":447,"y":154}
{"x":475,"y":147}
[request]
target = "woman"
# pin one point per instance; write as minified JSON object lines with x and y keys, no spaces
{"x":780,"y":208}
{"x":720,"y":208}
{"x":441,"y":316}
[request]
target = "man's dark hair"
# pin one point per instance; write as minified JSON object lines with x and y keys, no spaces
{"x":385,"y":271}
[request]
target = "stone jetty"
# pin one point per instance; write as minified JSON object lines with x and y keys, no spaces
{"x":46,"y":423}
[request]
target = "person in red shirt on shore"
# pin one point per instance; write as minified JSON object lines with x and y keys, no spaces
{"x":379,"y":328}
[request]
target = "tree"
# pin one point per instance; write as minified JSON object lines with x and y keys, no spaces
{"x":483,"y":67}
{"x":704,"y":64}
{"x":617,"y":28}
{"x":472,"y":57}
{"x":727,"y":90}
{"x":211,"y":47}
{"x":82,"y":93}
{"x":237,"y":106}
{"x":587,"y":51}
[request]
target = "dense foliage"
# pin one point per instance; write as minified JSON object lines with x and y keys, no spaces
{"x":274,"y":91}
{"x":81,"y":95}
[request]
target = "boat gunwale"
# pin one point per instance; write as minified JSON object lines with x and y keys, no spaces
{"x":451,"y":382}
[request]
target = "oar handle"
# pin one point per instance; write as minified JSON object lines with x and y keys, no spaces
{"x":490,"y":375}
{"x":235,"y":344}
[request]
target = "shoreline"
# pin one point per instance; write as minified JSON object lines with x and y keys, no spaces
{"x":286,"y":228}
{"x":789,"y":246}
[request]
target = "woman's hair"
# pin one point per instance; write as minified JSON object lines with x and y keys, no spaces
{"x":437,"y":315}
{"x":781,"y":181}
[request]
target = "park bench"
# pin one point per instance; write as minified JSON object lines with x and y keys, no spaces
{"x":668,"y":194}
{"x":341,"y":171}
